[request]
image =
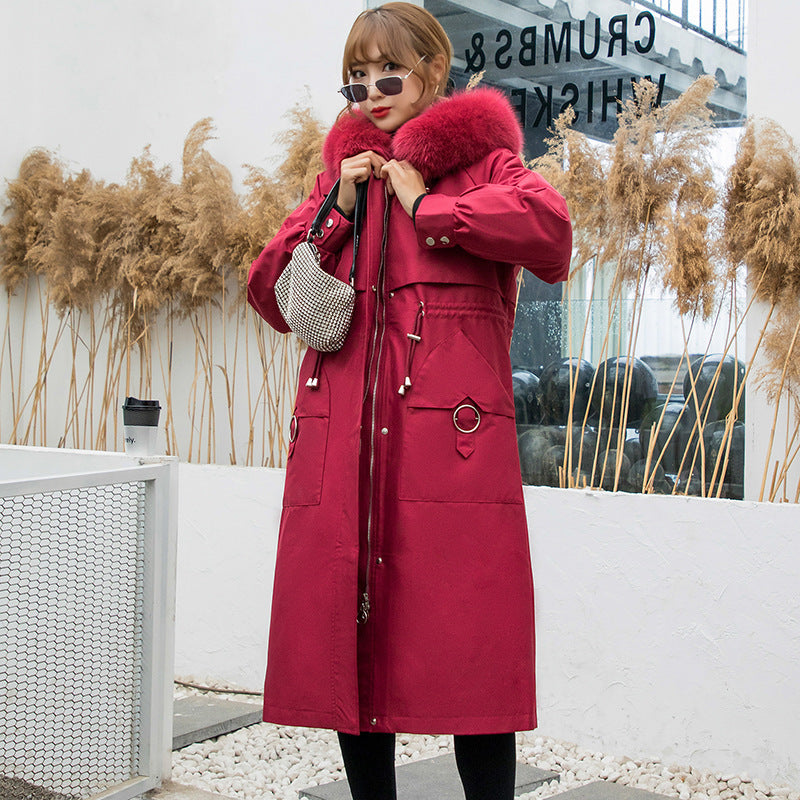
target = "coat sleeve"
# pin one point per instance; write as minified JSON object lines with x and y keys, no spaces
{"x":514,"y":215}
{"x":269,"y":265}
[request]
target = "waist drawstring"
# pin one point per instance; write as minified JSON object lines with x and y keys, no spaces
{"x":313,"y":380}
{"x":413,"y":338}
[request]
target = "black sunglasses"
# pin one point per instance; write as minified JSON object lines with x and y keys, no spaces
{"x":393,"y":84}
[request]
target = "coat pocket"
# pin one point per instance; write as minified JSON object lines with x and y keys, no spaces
{"x":459,"y":438}
{"x":308,"y":440}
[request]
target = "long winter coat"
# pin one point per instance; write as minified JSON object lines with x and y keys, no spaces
{"x":403,"y":487}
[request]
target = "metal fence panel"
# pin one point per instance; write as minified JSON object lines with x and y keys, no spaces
{"x":78,"y":602}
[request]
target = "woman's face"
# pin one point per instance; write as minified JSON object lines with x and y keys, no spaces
{"x":388,"y":112}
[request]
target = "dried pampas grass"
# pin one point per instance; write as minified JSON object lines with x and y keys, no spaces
{"x":264,"y":209}
{"x":762,"y":231}
{"x":782,"y":354}
{"x":649,"y":201}
{"x":134,"y":261}
{"x":649,"y":206}
{"x":303,"y":142}
{"x":207,"y":207}
{"x":693,"y":271}
{"x":762,"y":211}
{"x":32,"y":198}
{"x":577,"y":167}
{"x":131,"y":262}
{"x":642,"y":209}
{"x":660,"y":185}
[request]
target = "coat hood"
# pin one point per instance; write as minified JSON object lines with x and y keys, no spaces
{"x":451,"y":134}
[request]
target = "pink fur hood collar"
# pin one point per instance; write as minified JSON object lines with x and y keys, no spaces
{"x":449,"y":135}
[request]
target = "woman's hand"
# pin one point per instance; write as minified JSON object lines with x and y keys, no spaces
{"x":353,"y":170}
{"x":405,"y":181}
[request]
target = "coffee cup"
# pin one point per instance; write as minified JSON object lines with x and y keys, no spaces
{"x":140,"y":426}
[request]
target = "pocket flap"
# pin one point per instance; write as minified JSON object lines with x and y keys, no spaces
{"x":456,"y":369}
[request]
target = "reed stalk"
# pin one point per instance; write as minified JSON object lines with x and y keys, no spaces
{"x":37,"y":397}
{"x":166,"y":380}
{"x":193,"y":394}
{"x":779,"y":394}
{"x":248,"y":458}
{"x":211,"y":448}
{"x":73,"y":408}
{"x":6,"y":343}
{"x":16,"y":384}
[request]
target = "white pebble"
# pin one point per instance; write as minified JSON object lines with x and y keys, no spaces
{"x":267,"y":762}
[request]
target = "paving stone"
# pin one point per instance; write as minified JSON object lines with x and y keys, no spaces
{"x":198,"y":718}
{"x":606,"y":790}
{"x":17,"y":789}
{"x":431,"y":777}
{"x":170,"y":790}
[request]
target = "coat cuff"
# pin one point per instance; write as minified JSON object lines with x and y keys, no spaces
{"x":336,"y":231}
{"x":434,"y":221}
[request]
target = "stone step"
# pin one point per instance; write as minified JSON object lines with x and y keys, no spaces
{"x":16,"y":789}
{"x":202,"y":717}
{"x":169,"y":790}
{"x":431,"y":777}
{"x":606,"y":790}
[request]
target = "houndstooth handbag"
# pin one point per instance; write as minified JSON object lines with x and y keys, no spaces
{"x":317,"y":306}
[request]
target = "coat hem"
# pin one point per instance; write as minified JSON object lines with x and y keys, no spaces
{"x":302,"y":718}
{"x":428,"y":725}
{"x":438,"y":726}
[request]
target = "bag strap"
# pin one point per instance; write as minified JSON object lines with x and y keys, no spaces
{"x":360,"y":210}
{"x":325,"y":209}
{"x":358,"y":221}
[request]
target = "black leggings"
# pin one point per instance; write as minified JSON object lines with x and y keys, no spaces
{"x":486,"y":764}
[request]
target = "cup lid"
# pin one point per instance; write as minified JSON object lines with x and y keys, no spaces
{"x":133,"y":403}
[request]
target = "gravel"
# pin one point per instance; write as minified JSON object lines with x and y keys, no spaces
{"x":270,"y":762}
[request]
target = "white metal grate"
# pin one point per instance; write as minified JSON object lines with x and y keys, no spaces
{"x":72,"y":583}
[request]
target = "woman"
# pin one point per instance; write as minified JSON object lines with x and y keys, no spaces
{"x":403,"y":597}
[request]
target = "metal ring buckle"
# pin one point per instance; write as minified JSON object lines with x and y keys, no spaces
{"x":477,"y":415}
{"x":293,"y":425}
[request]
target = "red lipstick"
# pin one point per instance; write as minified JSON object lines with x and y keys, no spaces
{"x":380,"y":111}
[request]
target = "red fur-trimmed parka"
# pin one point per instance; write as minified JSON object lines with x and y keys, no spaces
{"x":403,"y":596}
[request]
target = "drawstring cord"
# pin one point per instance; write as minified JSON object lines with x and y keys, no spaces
{"x":412,"y":346}
{"x":413,"y":339}
{"x":313,"y":381}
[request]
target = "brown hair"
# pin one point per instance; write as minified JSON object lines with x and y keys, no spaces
{"x":403,"y":33}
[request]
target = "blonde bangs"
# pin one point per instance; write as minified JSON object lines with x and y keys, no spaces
{"x":370,"y":30}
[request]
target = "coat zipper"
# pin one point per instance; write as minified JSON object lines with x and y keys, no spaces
{"x":380,"y":322}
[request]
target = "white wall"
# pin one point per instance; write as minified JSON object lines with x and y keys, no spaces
{"x":670,"y":626}
{"x":227,"y":540}
{"x":772,"y":60}
{"x":666,"y":626}
{"x":774,"y":27}
{"x":97,"y":80}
